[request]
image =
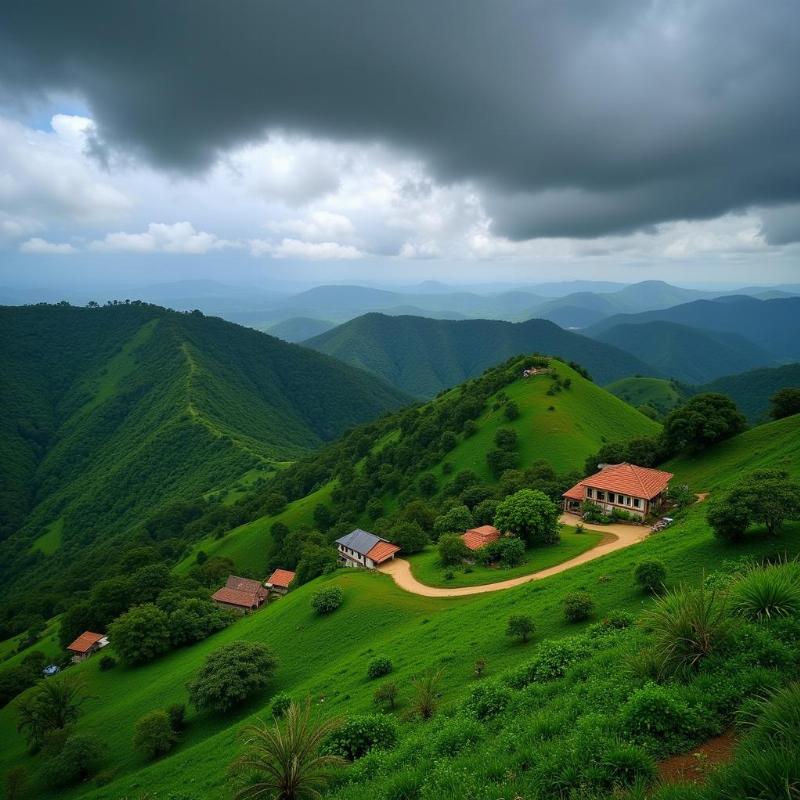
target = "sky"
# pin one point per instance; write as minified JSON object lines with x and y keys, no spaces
{"x":259,"y":142}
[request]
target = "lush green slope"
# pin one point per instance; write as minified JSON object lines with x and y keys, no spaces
{"x":423,"y":356}
{"x":775,"y":445}
{"x":658,"y":393}
{"x":109,"y":414}
{"x":686,"y":354}
{"x":752,"y":390}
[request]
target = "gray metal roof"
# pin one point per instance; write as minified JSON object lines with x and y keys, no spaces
{"x":360,"y":541}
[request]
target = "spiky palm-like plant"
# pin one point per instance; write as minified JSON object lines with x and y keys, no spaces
{"x":283,"y":761}
{"x":426,"y":693}
{"x":766,"y":592}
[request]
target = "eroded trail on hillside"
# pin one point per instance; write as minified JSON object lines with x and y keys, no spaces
{"x":617,"y":537}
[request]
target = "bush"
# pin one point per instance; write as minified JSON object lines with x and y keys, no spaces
{"x":153,"y":735}
{"x":487,"y":700}
{"x":520,"y":626}
{"x":75,"y":761}
{"x":613,"y":621}
{"x":578,"y":606}
{"x":659,"y":718}
{"x":326,"y":601}
{"x":232,"y":674}
{"x":767,"y":592}
{"x":360,"y":734}
{"x":379,"y":667}
{"x":510,"y":551}
{"x":455,"y":735}
{"x":177,"y":717}
{"x":649,"y":575}
{"x":627,"y":764}
{"x":552,"y":659}
{"x":386,"y":694}
{"x":452,"y":550}
{"x":107,"y":663}
{"x":511,"y":411}
{"x":280,"y":704}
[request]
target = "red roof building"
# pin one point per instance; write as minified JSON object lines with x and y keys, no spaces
{"x":638,"y":490}
{"x":240,"y":594}
{"x":475,"y":538}
{"x":280,"y":581}
{"x":86,"y":644}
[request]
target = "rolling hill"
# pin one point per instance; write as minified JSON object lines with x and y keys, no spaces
{"x":109,"y":414}
{"x":297,"y":329}
{"x":772,"y":325}
{"x":658,"y":393}
{"x":422,"y":356}
{"x":686,"y":354}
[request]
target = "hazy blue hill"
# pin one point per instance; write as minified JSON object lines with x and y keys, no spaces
{"x":108,"y":413}
{"x":297,"y":329}
{"x":773,"y":325}
{"x":684,"y":353}
{"x":752,"y":390}
{"x":423,"y":356}
{"x":572,"y":316}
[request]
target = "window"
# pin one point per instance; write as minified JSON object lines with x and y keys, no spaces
{"x":637,"y":503}
{"x":601,"y":495}
{"x":589,"y":492}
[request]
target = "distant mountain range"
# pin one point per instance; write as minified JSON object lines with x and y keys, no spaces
{"x":422,"y":356}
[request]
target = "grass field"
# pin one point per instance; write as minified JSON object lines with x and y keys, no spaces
{"x":775,"y":445}
{"x":50,"y":540}
{"x":659,"y":393}
{"x":326,"y":658}
{"x":426,"y":567}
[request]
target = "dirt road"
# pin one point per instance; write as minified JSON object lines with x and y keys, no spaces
{"x":617,"y":537}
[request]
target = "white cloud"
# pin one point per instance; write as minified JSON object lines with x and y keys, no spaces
{"x":37,"y":246}
{"x":318,"y":226}
{"x":180,"y":237}
{"x":313,"y":251}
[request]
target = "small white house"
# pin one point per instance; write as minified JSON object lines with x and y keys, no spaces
{"x":363,"y":549}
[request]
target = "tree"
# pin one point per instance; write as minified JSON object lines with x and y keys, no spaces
{"x":231,"y":674}
{"x":704,"y":420}
{"x":511,"y":411}
{"x":531,"y":515}
{"x":52,"y":705}
{"x":771,"y":497}
{"x":427,"y":484}
{"x":520,"y":626}
{"x":728,"y":516}
{"x":153,"y":735}
{"x":452,"y":550}
{"x":195,"y":619}
{"x":785,"y":403}
{"x":506,"y":439}
{"x":141,"y":634}
{"x":409,"y":537}
{"x":315,"y":560}
{"x":386,"y":694}
{"x":500,"y":461}
{"x":323,"y":517}
{"x":418,"y":511}
{"x":285,"y":762}
{"x":76,"y":761}
{"x":458,"y":518}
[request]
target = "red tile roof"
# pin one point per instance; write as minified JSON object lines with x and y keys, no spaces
{"x":281,"y":577}
{"x":381,"y":551}
{"x":234,"y":597}
{"x":85,"y":642}
{"x":627,"y":479}
{"x":476,"y":538}
{"x":246,"y":585}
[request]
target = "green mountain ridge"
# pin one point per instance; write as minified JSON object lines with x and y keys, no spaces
{"x":422,"y":356}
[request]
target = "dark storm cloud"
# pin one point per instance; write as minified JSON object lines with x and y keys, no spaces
{"x":574,"y":118}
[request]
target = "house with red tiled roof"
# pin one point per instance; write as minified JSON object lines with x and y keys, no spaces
{"x":364,"y":549}
{"x":637,"y":490}
{"x":279,"y":582}
{"x":86,"y":644}
{"x":475,"y":538}
{"x":241,"y":594}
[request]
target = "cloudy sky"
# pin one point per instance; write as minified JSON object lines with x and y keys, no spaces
{"x":261,"y":140}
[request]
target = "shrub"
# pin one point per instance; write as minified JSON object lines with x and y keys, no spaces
{"x":76,"y":760}
{"x":452,"y":550}
{"x":280,"y":704}
{"x":140,"y":634}
{"x":767,"y":592}
{"x":759,"y":773}
{"x":480,"y":667}
{"x":107,"y":663}
{"x":649,"y":575}
{"x":775,"y":718}
{"x":456,"y":734}
{"x":552,"y":659}
{"x":510,"y":551}
{"x":658,"y":717}
{"x":326,"y":601}
{"x":231,"y":674}
{"x":520,"y":626}
{"x":613,"y":621}
{"x":426,"y":693}
{"x":578,"y":606}
{"x":177,"y":717}
{"x":511,"y":411}
{"x":360,"y":734}
{"x":386,"y":694}
{"x":688,"y":626}
{"x":728,"y":516}
{"x":627,"y":764}
{"x":153,"y":735}
{"x":487,"y":700}
{"x":379,"y":667}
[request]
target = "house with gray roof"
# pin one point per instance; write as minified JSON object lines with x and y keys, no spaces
{"x":364,"y":549}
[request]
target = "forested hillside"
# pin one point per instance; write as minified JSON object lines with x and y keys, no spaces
{"x":108,"y":414}
{"x":423,"y":356}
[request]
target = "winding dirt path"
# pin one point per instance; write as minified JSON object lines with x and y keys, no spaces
{"x":617,"y":537}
